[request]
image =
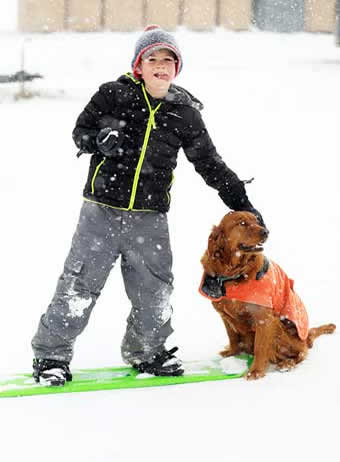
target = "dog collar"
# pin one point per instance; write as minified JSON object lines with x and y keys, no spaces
{"x":214,"y":286}
{"x":264,"y":269}
{"x":259,"y":275}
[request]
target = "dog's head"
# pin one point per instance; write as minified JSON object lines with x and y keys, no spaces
{"x":235,"y":246}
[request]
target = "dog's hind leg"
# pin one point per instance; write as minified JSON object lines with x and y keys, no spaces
{"x":315,"y":332}
{"x":286,"y":364}
{"x":289,"y":348}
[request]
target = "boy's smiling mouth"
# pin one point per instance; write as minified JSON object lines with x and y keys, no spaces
{"x":161,"y":75}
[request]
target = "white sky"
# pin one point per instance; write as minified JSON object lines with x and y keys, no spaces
{"x":8,"y":15}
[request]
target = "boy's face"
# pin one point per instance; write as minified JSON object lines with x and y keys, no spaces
{"x":158,"y":71}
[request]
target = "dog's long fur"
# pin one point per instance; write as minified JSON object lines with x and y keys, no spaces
{"x":234,"y":248}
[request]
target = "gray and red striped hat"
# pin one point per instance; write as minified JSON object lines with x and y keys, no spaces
{"x":154,"y":38}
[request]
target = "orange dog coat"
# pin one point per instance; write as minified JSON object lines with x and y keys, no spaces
{"x":275,"y":291}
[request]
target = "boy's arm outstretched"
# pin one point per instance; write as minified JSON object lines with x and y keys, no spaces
{"x":200,"y":150}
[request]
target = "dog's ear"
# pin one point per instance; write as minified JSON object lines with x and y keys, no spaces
{"x":216,"y":242}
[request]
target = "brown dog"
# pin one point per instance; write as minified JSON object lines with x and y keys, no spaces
{"x":262,"y":314}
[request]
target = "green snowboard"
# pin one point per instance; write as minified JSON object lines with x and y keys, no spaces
{"x":127,"y":377}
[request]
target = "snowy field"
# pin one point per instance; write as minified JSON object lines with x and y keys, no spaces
{"x":272,"y":106}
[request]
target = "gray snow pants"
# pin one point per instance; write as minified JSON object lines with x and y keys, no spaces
{"x":102,"y":235}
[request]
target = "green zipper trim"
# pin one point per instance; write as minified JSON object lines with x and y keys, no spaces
{"x":120,"y":208}
{"x":151,"y":125}
{"x":137,"y":82}
{"x":95,"y":175}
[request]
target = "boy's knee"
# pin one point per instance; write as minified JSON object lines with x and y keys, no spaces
{"x":68,"y":317}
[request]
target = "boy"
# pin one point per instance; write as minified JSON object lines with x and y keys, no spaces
{"x":134,"y":128}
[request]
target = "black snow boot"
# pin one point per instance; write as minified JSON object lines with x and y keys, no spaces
{"x":164,"y":363}
{"x":51,"y":372}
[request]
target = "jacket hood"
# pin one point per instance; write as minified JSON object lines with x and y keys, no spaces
{"x":179,"y":95}
{"x":176,"y":94}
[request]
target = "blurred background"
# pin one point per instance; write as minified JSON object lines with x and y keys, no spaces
{"x":96,"y":15}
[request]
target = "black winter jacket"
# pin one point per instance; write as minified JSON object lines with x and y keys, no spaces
{"x":140,"y":174}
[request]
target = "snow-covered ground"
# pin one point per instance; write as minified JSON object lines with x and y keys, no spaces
{"x":272,"y":106}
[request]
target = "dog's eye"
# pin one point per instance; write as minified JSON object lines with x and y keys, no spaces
{"x":243,"y":223}
{"x":217,"y":254}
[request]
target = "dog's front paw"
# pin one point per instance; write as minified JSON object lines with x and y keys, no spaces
{"x":229,"y":351}
{"x":254,"y":374}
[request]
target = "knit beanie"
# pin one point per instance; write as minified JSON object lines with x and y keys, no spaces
{"x":154,"y":38}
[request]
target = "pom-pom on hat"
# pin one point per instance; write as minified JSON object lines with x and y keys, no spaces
{"x":154,"y":38}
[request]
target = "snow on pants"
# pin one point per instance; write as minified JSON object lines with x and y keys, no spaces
{"x":102,"y":235}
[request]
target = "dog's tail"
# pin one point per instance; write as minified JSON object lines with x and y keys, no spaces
{"x":315,"y":332}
